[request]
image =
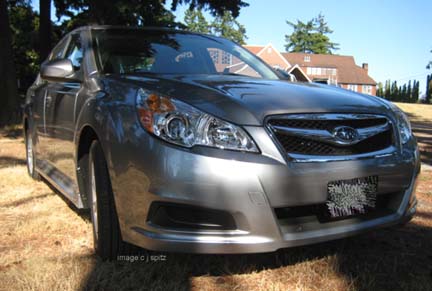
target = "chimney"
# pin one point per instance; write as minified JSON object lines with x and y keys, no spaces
{"x":365,"y":67}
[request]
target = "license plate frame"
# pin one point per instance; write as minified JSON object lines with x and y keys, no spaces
{"x":351,"y":197}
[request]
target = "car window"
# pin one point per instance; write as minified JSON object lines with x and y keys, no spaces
{"x":165,"y":52}
{"x":58,"y":51}
{"x":74,"y":51}
{"x":227,"y":63}
{"x":167,"y":60}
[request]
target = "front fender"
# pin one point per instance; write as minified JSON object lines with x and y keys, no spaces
{"x":107,"y":117}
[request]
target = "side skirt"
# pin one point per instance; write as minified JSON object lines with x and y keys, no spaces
{"x":61,"y":182}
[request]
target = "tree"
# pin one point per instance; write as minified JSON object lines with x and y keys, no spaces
{"x":429,"y":65}
{"x":310,"y":37}
{"x":300,"y":40}
{"x":196,"y":22}
{"x":409,"y":92}
{"x":20,"y":34}
{"x":380,"y":90}
{"x":216,"y":7}
{"x":226,"y":26}
{"x":8,"y":85}
{"x":135,"y":12}
{"x":115,"y":12}
{"x":44,"y":29}
{"x":416,"y":91}
{"x":24,"y":23}
{"x":394,"y":92}
{"x":428,"y":88}
{"x":404,"y":93}
{"x":387,"y":90}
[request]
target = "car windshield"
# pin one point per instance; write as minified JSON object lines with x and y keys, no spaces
{"x":130,"y":51}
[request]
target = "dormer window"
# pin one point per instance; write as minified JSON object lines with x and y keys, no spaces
{"x":307,"y":59}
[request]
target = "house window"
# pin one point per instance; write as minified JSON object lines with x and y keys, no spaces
{"x":319,"y":71}
{"x":352,"y":87}
{"x":367,"y":89}
{"x":226,"y":58}
{"x":307,"y":59}
{"x":214,"y":54}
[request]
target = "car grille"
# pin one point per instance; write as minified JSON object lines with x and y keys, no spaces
{"x":286,"y":130}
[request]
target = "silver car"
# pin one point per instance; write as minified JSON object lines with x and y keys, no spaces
{"x":186,"y":142}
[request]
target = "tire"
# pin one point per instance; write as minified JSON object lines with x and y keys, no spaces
{"x":30,"y":156}
{"x":107,"y":238}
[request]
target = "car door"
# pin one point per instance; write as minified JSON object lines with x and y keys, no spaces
{"x":60,"y":106}
{"x":44,"y":146}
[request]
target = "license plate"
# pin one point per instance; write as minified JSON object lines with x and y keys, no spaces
{"x":351,"y":197}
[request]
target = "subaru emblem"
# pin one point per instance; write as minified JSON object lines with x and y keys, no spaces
{"x":345,"y":135}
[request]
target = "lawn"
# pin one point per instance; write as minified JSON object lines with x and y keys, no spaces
{"x":421,"y":122}
{"x":45,"y":244}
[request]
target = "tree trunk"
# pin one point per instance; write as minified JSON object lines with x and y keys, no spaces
{"x":44,"y":29}
{"x":8,"y":83}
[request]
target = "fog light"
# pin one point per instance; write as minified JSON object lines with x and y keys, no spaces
{"x":180,"y":216}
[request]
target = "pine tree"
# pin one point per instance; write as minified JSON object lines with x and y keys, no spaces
{"x":196,"y":22}
{"x":227,"y":26}
{"x":409,"y":92}
{"x":300,"y":40}
{"x":394,"y":92}
{"x":387,"y":92}
{"x":428,"y":88}
{"x":416,"y":90}
{"x":404,"y":93}
{"x":310,"y":37}
{"x":380,"y":90}
{"x":429,"y":65}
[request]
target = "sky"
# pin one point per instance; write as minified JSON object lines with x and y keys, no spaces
{"x":393,"y":37}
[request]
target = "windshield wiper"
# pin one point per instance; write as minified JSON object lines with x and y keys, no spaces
{"x":231,"y":74}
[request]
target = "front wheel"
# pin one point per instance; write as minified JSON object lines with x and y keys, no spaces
{"x":107,"y":238}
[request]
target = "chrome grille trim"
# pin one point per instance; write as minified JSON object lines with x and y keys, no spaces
{"x":327,"y":137}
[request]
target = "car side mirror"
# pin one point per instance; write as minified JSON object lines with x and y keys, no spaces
{"x":58,"y":70}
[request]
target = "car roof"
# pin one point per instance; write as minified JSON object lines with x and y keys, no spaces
{"x":147,"y":28}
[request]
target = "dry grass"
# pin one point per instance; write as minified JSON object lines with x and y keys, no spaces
{"x":421,"y":121}
{"x":47,"y":245}
{"x":417,"y":112}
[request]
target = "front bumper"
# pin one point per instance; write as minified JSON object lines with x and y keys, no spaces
{"x":247,"y":186}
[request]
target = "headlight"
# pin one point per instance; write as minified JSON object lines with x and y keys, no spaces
{"x":179,"y":123}
{"x":403,"y":125}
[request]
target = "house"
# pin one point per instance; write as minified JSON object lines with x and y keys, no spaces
{"x":329,"y":69}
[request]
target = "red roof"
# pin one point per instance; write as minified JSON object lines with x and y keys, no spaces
{"x":348,"y":72}
{"x":255,"y":49}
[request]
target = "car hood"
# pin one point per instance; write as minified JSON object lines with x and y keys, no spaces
{"x":247,"y":101}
